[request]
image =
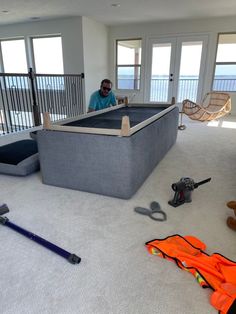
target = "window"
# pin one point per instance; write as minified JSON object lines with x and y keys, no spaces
{"x":128,"y":64}
{"x":14,"y":61}
{"x":48,"y":57}
{"x":14,"y":56}
{"x":225,"y":66}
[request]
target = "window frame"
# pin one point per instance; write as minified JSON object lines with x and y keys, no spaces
{"x":32,"y":48}
{"x":2,"y":67}
{"x":30,"y":61}
{"x":138,"y":66}
{"x":221,"y":63}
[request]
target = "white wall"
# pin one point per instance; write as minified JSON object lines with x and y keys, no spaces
{"x":95,"y":43}
{"x":211,"y":27}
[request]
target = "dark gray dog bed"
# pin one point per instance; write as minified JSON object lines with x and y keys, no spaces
{"x":19,"y":158}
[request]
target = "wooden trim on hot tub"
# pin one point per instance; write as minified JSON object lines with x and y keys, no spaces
{"x":125,"y":129}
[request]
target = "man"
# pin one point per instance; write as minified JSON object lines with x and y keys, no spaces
{"x":102,"y":98}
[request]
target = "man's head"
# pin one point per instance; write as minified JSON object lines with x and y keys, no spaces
{"x":105,"y":88}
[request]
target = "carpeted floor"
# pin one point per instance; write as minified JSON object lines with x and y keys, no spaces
{"x":117,"y":275}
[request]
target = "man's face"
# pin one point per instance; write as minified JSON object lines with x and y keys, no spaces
{"x":105,"y":89}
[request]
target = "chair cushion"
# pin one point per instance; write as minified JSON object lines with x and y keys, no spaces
{"x":19,"y":158}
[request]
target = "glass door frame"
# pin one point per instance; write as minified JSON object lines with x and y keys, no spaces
{"x":151,"y":42}
{"x":176,"y":42}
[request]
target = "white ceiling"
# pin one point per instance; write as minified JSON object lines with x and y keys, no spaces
{"x":129,"y":11}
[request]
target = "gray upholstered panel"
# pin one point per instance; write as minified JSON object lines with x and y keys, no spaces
{"x":151,"y":144}
{"x":87,"y":162}
{"x":108,"y":165}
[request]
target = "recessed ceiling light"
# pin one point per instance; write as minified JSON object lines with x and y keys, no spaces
{"x":115,"y":5}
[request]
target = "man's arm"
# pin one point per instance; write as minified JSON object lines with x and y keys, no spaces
{"x":90,"y":110}
{"x":113,"y":99}
{"x":92,"y":102}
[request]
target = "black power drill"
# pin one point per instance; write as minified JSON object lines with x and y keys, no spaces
{"x":183,"y":190}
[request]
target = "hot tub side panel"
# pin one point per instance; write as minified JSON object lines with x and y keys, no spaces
{"x":93,"y":163}
{"x":108,"y":165}
{"x":150,"y":145}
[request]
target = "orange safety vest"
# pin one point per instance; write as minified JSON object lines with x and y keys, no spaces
{"x":211,"y":271}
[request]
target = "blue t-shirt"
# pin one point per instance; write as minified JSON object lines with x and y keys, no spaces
{"x":98,"y":102}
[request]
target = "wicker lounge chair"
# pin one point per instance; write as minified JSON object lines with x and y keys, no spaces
{"x":214,"y":106}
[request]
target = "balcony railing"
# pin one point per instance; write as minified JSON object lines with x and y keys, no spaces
{"x":187,"y":88}
{"x":24,"y":98}
{"x":224,"y":85}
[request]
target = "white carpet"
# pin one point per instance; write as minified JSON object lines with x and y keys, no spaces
{"x":117,"y":275}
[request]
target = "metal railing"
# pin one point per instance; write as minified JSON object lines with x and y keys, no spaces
{"x":187,"y":86}
{"x":224,"y":85}
{"x":25,"y":97}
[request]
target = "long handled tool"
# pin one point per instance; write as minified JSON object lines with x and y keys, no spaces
{"x":72,"y":258}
